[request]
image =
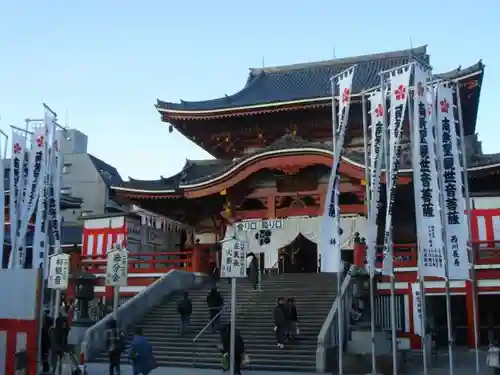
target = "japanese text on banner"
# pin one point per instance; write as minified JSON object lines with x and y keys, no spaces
{"x":456,"y":227}
{"x":425,"y":180}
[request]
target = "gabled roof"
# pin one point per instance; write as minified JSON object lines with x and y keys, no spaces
{"x":307,"y":82}
{"x":108,"y":173}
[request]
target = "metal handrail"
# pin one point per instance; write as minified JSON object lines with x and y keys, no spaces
{"x":224,"y":309}
{"x":275,"y":264}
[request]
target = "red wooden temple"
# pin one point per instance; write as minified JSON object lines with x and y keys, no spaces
{"x":271,"y":143}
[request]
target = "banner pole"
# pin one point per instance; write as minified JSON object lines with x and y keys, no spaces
{"x":394,"y":344}
{"x":340,"y":311}
{"x":232,"y":339}
{"x":472,"y":257}
{"x":368,"y":203}
{"x":442,"y":203}
{"x":420,"y":277}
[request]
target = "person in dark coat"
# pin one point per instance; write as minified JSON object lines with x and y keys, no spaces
{"x":214,"y":303}
{"x":185,"y":309}
{"x":280,"y":321}
{"x":115,"y":342}
{"x":253,"y":270}
{"x":58,"y":335}
{"x":141,"y":354}
{"x":45,"y":342}
{"x":239,"y":346}
{"x":293,"y":316}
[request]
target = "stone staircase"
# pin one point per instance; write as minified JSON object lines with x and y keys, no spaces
{"x":314,"y":295}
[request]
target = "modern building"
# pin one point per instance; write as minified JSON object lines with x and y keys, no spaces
{"x":86,"y":177}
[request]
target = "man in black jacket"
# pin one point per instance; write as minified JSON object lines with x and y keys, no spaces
{"x":214,"y":303}
{"x":280,"y":315}
{"x":185,"y":309}
{"x":239,"y":346}
{"x":115,"y":342}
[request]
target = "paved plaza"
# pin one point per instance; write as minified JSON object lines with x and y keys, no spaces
{"x":464,"y":365}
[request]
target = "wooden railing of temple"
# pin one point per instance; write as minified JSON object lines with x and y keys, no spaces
{"x":196,"y":259}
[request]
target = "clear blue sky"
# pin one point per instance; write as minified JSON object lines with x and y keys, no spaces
{"x":105,"y":62}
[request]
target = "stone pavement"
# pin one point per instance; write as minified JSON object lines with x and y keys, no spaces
{"x":464,"y":364}
{"x":102,"y":369}
{"x":464,"y":361}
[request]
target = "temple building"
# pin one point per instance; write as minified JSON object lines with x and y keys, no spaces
{"x":272,"y":147}
{"x":272,"y":150}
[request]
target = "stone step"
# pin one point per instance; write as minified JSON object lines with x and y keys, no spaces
{"x":314,"y":295}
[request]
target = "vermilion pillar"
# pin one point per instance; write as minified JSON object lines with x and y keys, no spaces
{"x":359,"y":254}
{"x":271,"y":206}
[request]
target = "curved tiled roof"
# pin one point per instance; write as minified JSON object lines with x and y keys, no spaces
{"x":301,"y":81}
{"x":308,"y":82}
{"x":205,"y":171}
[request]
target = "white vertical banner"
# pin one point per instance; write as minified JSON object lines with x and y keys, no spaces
{"x":34,"y":180}
{"x":41,"y":243}
{"x":417,"y":309}
{"x":425,"y":179}
{"x":2,"y":203}
{"x":16,"y":184}
{"x":452,"y":186}
{"x":54,"y":183}
{"x":330,"y":250}
{"x":57,"y":175}
{"x":376,"y":153}
{"x":399,"y":81}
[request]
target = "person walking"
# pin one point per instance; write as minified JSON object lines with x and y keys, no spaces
{"x":58,"y":344}
{"x":115,"y":342}
{"x":239,"y":348}
{"x":214,"y":302}
{"x":185,"y":309}
{"x":253,"y":270}
{"x":141,"y":354}
{"x":280,"y":322}
{"x":293,"y":316}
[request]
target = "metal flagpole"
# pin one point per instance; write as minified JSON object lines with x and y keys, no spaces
{"x":340,"y":311}
{"x":233,"y":326}
{"x":442,"y":204}
{"x":368,"y":198}
{"x":388,"y":193}
{"x":421,"y":278}
{"x":469,"y":223}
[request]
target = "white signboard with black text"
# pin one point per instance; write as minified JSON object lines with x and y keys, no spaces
{"x":251,"y":225}
{"x":417,"y":309}
{"x":234,"y":253}
{"x":58,"y":271}
{"x":117,"y":268}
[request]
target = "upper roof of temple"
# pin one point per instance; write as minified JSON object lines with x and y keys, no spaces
{"x":306,"y":82}
{"x":297,"y":98}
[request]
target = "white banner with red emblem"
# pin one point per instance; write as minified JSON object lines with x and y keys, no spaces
{"x":16,"y":188}
{"x":330,"y":227}
{"x":41,"y":243}
{"x":376,"y":153}
{"x":34,"y":180}
{"x":451,"y":185}
{"x":425,"y":179}
{"x":399,"y":81}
